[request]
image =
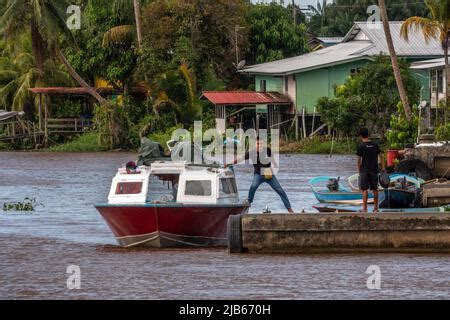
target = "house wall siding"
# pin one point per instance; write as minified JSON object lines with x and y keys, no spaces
{"x":314,"y":84}
{"x":272,"y":83}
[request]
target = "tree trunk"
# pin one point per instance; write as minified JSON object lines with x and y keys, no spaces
{"x":137,"y":14}
{"x":447,"y":77}
{"x":38,"y":45}
{"x":80,"y":80}
{"x":394,"y":60}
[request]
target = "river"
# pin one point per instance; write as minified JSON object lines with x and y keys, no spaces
{"x":37,"y":248}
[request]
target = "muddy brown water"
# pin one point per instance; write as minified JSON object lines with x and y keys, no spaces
{"x":37,"y":248}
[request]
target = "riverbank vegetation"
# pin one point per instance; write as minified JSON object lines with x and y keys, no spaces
{"x":155,"y":57}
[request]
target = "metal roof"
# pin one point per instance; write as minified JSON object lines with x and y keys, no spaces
{"x":428,"y":64}
{"x":371,"y":43}
{"x":331,"y":39}
{"x":245,"y":98}
{"x":415,"y":46}
{"x":339,"y":53}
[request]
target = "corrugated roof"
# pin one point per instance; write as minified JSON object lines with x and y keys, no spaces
{"x":415,"y":46}
{"x":331,"y":39}
{"x":350,"y":49}
{"x":245,"y":97}
{"x":338,"y":53}
{"x":428,"y":64}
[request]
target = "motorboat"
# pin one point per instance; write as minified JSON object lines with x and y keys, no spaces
{"x":172,"y":204}
{"x":330,"y":190}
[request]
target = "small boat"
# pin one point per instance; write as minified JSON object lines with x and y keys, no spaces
{"x":327,"y":209}
{"x":393,"y":198}
{"x":330,"y":190}
{"x":172,"y":204}
{"x":353,"y":180}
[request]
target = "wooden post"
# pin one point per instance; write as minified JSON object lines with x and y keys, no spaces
{"x":45,"y":125}
{"x":296,"y":125}
{"x":40,"y":112}
{"x":313,"y":122}
{"x":304,"y":122}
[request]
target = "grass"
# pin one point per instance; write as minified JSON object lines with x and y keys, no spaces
{"x":3,"y":146}
{"x":318,"y":145}
{"x":87,"y":142}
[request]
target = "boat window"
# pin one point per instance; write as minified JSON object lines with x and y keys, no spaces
{"x":162,"y":188}
{"x":129,"y":188}
{"x":228,"y":186}
{"x":198,"y":188}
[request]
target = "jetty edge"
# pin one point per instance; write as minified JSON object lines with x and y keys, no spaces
{"x":339,"y":233}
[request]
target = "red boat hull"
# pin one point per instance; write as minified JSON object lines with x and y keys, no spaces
{"x":169,"y":226}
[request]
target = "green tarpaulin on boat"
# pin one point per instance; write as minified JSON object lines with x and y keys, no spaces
{"x":149,"y":152}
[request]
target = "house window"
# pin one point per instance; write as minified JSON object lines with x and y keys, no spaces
{"x":129,"y":188}
{"x":198,"y":188}
{"x":440,"y":80}
{"x":286,"y":84}
{"x":355,"y":71}
{"x":437,"y":81}
{"x":263,"y":86}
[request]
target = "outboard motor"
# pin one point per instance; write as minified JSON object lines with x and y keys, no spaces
{"x":333,"y":184}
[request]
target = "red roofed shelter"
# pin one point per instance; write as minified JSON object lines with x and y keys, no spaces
{"x":248,"y":109}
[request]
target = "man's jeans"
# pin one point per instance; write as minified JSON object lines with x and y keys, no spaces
{"x":259,"y":179}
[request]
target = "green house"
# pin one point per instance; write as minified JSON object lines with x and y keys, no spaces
{"x":306,"y":78}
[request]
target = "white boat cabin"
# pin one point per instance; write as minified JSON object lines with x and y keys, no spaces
{"x":174,"y":182}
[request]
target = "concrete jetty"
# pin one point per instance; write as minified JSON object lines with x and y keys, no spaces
{"x":322,"y":233}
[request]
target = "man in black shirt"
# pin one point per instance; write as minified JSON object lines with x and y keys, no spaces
{"x":263,"y":173}
{"x":368,"y":153}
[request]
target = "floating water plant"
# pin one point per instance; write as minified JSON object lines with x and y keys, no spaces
{"x":28,"y":205}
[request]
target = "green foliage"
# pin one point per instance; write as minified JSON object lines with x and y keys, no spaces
{"x":342,"y":113}
{"x":19,"y":73}
{"x":28,"y":205}
{"x":87,"y":142}
{"x":273,"y":35}
{"x":337,"y":17}
{"x":368,"y":98}
{"x":116,"y":62}
{"x":163,"y":136}
{"x":112,"y":123}
{"x":402,"y":131}
{"x":67,"y":108}
{"x":443,"y":132}
{"x":201,"y":32}
{"x":153,"y":124}
{"x":177,"y":93}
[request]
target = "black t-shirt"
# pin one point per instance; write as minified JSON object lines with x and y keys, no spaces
{"x":369,"y":152}
{"x":258,"y":165}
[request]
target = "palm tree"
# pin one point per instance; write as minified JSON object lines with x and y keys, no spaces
{"x":19,"y":72}
{"x":137,"y":14}
{"x":436,"y":27}
{"x":44,"y":19}
{"x":187,"y":106}
{"x":394,"y":60}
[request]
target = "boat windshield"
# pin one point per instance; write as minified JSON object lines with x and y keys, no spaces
{"x":162,"y":188}
{"x":227,"y":186}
